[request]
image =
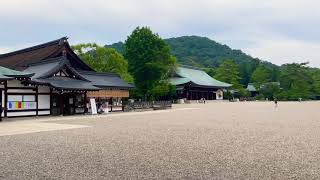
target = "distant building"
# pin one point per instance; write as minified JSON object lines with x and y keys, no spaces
{"x":193,"y":84}
{"x":252,"y":89}
{"x":50,"y":79}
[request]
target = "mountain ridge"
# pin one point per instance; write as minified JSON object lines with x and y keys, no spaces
{"x":206,"y":53}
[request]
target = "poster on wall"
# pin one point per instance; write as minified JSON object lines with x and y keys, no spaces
{"x":18,"y":105}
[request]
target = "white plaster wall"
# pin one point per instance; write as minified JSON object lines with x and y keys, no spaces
{"x":43,"y":89}
{"x":28,"y":113}
{"x":43,"y":112}
{"x":44,"y":101}
{"x":16,"y":83}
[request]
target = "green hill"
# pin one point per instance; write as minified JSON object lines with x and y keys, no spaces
{"x":206,"y":53}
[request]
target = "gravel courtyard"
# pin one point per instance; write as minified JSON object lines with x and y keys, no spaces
{"x":249,"y":140}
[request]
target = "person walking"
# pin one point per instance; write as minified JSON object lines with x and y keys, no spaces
{"x":275,"y":102}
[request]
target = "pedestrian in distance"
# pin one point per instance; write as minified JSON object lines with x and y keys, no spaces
{"x":275,"y":102}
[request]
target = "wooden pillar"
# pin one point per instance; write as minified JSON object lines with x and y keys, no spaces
{"x":187,"y":94}
{"x":61,"y":103}
{"x":85,"y":102}
{"x":74,"y":95}
{"x":5,"y":99}
{"x":37,"y":101}
{"x":1,"y":105}
{"x":51,"y":106}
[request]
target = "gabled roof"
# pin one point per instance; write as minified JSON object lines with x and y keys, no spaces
{"x":197,"y":77}
{"x":178,"y":80}
{"x":7,"y":74}
{"x":105,"y":80}
{"x":44,"y":74}
{"x":66,"y":83}
{"x":45,"y":60}
{"x":52,"y":66}
{"x":21,"y":59}
{"x":251,"y":88}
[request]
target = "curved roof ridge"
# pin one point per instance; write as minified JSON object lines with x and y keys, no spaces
{"x":47,"y":61}
{"x":199,"y":77}
{"x":57,"y":41}
{"x":13,"y":73}
{"x":98,"y":73}
{"x":191,"y":67}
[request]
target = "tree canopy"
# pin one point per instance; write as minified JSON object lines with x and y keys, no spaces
{"x":150,"y":61}
{"x":296,"y":81}
{"x":261,"y":75}
{"x":228,"y":72}
{"x":104,"y":59}
{"x":205,"y":53}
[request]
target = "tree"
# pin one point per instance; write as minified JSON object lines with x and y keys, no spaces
{"x":296,"y":81}
{"x":228,"y":72}
{"x":270,"y":90}
{"x":315,"y":74}
{"x":210,"y":71}
{"x":261,"y":75}
{"x":104,"y":59}
{"x":149,"y":60}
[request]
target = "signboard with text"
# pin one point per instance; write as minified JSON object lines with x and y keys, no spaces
{"x":93,"y":106}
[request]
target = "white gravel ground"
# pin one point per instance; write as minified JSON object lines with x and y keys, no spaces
{"x":250,"y":140}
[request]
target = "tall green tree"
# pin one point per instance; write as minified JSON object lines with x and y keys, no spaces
{"x":149,"y":60}
{"x":228,"y":72}
{"x":270,"y":90}
{"x":261,"y":75}
{"x":104,"y":59}
{"x":315,"y":74}
{"x":296,"y":81}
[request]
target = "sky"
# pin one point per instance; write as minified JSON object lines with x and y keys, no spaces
{"x":279,"y":31}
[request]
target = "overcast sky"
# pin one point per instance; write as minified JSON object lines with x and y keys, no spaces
{"x":279,"y":31}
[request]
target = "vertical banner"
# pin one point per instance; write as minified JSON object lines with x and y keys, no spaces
{"x":93,"y":106}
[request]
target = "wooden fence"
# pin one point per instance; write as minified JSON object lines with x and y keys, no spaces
{"x":155,"y":105}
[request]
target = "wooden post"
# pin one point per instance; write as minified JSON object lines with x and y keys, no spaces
{"x":61,"y":103}
{"x":37,"y":101}
{"x":51,"y":106}
{"x":5,"y":98}
{"x":85,"y":102}
{"x":1,"y":105}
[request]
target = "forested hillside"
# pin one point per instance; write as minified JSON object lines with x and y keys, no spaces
{"x":292,"y":81}
{"x":206,"y":53}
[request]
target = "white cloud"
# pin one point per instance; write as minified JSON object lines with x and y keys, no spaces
{"x":281,"y":51}
{"x":4,"y":50}
{"x":257,"y":27}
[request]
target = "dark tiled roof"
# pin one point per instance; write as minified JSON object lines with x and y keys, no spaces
{"x":21,"y":59}
{"x":104,"y":80}
{"x":49,"y":68}
{"x":43,"y":69}
{"x":66,"y":83}
{"x":47,"y":59}
{"x":7,"y":74}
